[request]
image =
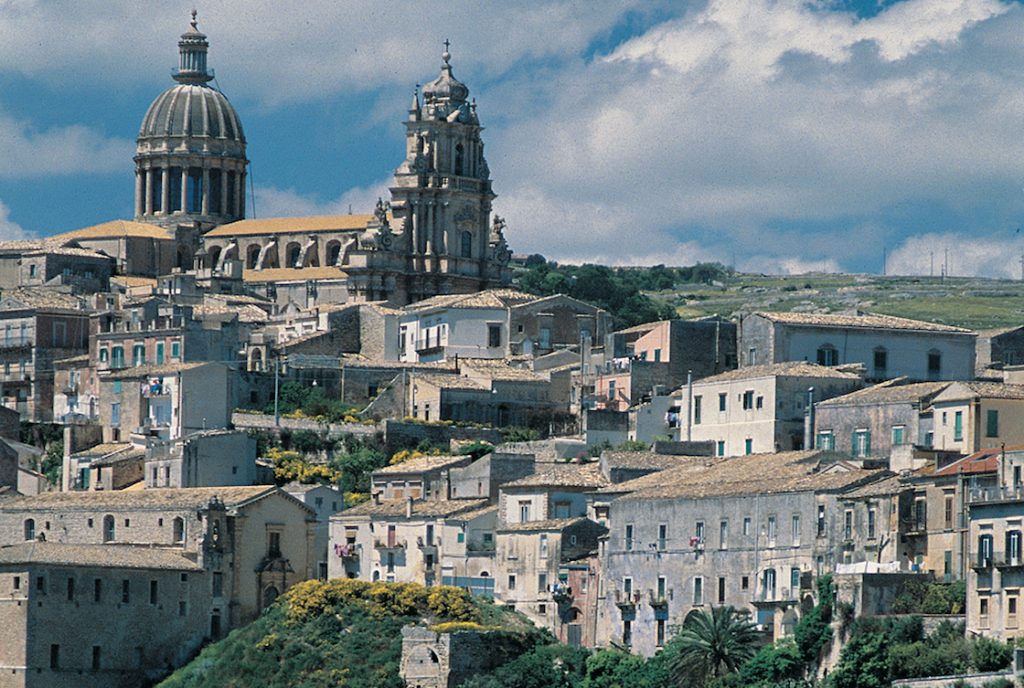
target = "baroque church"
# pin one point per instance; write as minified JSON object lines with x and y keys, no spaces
{"x":435,"y":235}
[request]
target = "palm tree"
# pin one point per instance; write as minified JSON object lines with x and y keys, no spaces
{"x":712,"y":645}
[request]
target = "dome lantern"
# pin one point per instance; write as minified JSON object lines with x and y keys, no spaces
{"x":193,"y":47}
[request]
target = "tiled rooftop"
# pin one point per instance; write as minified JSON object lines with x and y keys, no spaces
{"x":889,"y":391}
{"x":421,"y":508}
{"x":290,"y":225}
{"x":421,"y":464}
{"x":551,"y":524}
{"x":292,"y":274}
{"x":867,"y":321}
{"x":117,"y":229}
{"x":101,"y":556}
{"x":163,"y":498}
{"x":791,"y":369}
{"x":584,"y":475}
{"x":491,"y":298}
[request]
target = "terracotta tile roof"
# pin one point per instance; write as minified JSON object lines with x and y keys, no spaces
{"x":800,"y":471}
{"x":888,"y":486}
{"x":551,"y":524}
{"x":422,"y":464}
{"x":791,"y":369}
{"x":584,"y":475}
{"x":162,"y":498}
{"x":246,"y":312}
{"x":104,"y":449}
{"x":290,"y":225}
{"x":293,"y":274}
{"x":133,"y":281}
{"x":866,"y":321}
{"x":117,"y":229}
{"x":420,"y":508}
{"x":490,"y":298}
{"x":100,"y":556}
{"x":889,"y":391}
{"x":984,"y":461}
{"x":986,"y":390}
{"x":43,"y":298}
{"x":645,"y":459}
{"x":153,"y":370}
{"x":498,"y":369}
{"x":449,"y":381}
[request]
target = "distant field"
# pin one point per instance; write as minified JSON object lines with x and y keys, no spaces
{"x":966,"y":302}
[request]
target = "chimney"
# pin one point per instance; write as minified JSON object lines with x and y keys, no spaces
{"x":408,"y":507}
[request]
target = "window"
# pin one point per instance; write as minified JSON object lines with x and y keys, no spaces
{"x":152,"y":592}
{"x":881,"y":359}
{"x":511,"y":581}
{"x":748,"y":446}
{"x":821,"y":520}
{"x":696,"y":409}
{"x":760,"y":403}
{"x":175,"y":349}
{"x":958,"y":426}
{"x":54,"y":656}
{"x":215,"y":192}
{"x":698,"y":590}
{"x":657,"y":355}
{"x":768,"y":587}
{"x":794,"y":582}
{"x":992,"y":423}
{"x":543,"y":545}
{"x":723,"y":535}
{"x":745,"y":583}
{"x":218,"y":584}
{"x":771,"y":531}
{"x":848,"y":524}
{"x":104,"y":355}
{"x":138,"y":355}
{"x":660,"y":632}
{"x":698,"y":531}
{"x":662,"y":536}
{"x":934,"y":364}
{"x":827,"y":355}
{"x":542,"y":582}
{"x":71,"y":589}
{"x":126,"y":591}
{"x":30,"y":529}
{"x":117,"y":357}
{"x":195,"y":189}
{"x":493,"y":335}
{"x":627,"y":586}
{"x":178,"y":529}
{"x":629,"y":536}
{"x":861,"y":443}
{"x":524,"y":512}
{"x":32,"y":270}
{"x":109,"y":529}
{"x":898,"y":433}
{"x":920,"y":513}
{"x":985,"y":551}
{"x":748,"y":400}
{"x":721,"y":590}
{"x":159,"y":353}
{"x":826,"y":440}
{"x":722,"y":401}
{"x":627,"y":633}
{"x":95,"y":657}
{"x":274,"y":544}
{"x":720,"y":448}
{"x":467,"y":245}
{"x":97,"y":590}
{"x":796,"y":529}
{"x":948,"y":512}
{"x":182,"y":608}
{"x":1013,"y":547}
{"x":156,"y":188}
{"x":746,"y":526}
{"x":871,"y":523}
{"x":661,"y":587}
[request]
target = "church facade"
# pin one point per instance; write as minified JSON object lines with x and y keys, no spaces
{"x":436,"y":234}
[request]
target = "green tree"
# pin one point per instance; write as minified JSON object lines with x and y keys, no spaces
{"x":864,"y":663}
{"x":774,"y":664}
{"x":990,"y":655}
{"x":711,"y":645}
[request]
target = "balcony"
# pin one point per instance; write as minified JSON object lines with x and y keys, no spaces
{"x":657,"y":600}
{"x":429,"y":345}
{"x":14,"y":343}
{"x":775,"y":596}
{"x":1006,"y":493}
{"x":349,"y":552}
{"x":626,"y":602}
{"x":984,"y":561}
{"x":914,"y":526}
{"x":424,"y":545}
{"x":389,"y":544}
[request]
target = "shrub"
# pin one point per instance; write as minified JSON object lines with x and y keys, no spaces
{"x":990,"y":655}
{"x":774,"y":663}
{"x":450,"y":602}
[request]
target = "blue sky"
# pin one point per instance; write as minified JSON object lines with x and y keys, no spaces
{"x":782,"y":136}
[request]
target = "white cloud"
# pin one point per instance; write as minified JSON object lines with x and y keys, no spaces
{"x":737,"y":119}
{"x":274,"y":202}
{"x":28,"y":152}
{"x":925,"y":254}
{"x":9,"y":229}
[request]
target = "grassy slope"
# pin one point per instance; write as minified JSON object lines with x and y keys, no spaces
{"x":347,"y":641}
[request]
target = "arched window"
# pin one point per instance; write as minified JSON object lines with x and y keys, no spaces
{"x":30,"y":529}
{"x":179,"y":530}
{"x":292,"y":255}
{"x":252,"y":256}
{"x":214,"y":257}
{"x":333,"y":252}
{"x":376,"y":576}
{"x":458,"y":159}
{"x":109,"y":532}
{"x":467,"y":244}
{"x":827,"y":355}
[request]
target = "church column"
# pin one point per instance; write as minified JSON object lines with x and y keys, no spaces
{"x":442,"y":228}
{"x":184,"y":187}
{"x":206,"y":189}
{"x":148,"y":200}
{"x":224,"y":209}
{"x":140,"y":192}
{"x":165,"y":190}
{"x":429,"y":245}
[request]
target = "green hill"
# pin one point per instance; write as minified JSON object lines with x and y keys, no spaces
{"x":340,"y":634}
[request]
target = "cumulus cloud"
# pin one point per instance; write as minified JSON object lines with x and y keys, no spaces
{"x":28,"y":152}
{"x":275,"y":202}
{"x":9,"y":229}
{"x":768,"y":128}
{"x":926,"y":254}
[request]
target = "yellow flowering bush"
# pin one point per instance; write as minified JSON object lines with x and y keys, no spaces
{"x":290,"y":465}
{"x":453,"y":626}
{"x":449,"y":602}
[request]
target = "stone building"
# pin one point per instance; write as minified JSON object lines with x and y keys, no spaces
{"x":207,"y":458}
{"x":759,"y":409}
{"x":557,"y":492}
{"x":875,"y":422}
{"x":39,"y":262}
{"x":39,"y":326}
{"x":137,"y":248}
{"x":752,"y":532}
{"x":325,"y":500}
{"x":969,"y":416}
{"x":85,"y":615}
{"x":885,"y":345}
{"x":252,"y":542}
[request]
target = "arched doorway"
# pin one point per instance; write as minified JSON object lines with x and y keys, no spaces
{"x":270,"y":594}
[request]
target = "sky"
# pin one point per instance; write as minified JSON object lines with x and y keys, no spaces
{"x":776,"y":136}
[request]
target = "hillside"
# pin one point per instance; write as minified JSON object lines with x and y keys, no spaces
{"x":338,"y":634}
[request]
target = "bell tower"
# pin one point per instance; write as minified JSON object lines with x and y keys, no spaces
{"x":442,"y":194}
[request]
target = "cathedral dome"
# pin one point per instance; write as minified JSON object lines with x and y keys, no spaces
{"x":192,"y":110}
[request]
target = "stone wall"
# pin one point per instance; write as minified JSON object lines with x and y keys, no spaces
{"x":254,"y":421}
{"x":401,"y":435}
{"x":446,"y":660}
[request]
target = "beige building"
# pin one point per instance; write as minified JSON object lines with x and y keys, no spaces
{"x":99,"y":616}
{"x":759,"y":409}
{"x":969,"y":416}
{"x":254,"y":542}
